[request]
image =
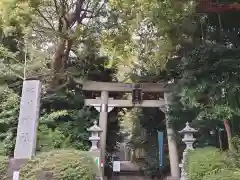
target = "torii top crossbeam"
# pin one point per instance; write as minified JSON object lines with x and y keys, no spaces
{"x":123,"y":87}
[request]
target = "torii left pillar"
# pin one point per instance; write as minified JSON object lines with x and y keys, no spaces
{"x":103,"y":116}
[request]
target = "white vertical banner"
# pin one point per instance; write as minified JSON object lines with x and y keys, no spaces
{"x":16,"y":175}
{"x":116,"y":166}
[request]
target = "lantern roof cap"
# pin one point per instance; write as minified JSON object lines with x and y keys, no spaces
{"x":188,"y":129}
{"x":95,"y":128}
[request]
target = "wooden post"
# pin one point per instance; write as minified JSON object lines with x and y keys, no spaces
{"x":103,"y":116}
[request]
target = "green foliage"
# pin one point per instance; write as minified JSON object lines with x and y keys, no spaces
{"x":206,"y":72}
{"x":9,"y":110}
{"x":49,"y":139}
{"x":140,"y":128}
{"x":3,"y":167}
{"x":205,"y":161}
{"x":161,"y":26}
{"x":211,"y":69}
{"x":64,"y":164}
{"x":206,"y":91}
{"x":224,"y":174}
{"x":64,"y":120}
{"x":61,"y":127}
{"x":151,"y":120}
{"x":233,"y":157}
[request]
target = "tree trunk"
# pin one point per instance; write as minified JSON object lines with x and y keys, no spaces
{"x":57,"y":63}
{"x":59,"y":60}
{"x":220,"y":140}
{"x":229,"y":134}
{"x":65,"y":43}
{"x":66,"y":21}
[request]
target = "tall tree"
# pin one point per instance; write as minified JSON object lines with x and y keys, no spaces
{"x":205,"y":74}
{"x":54,"y":41}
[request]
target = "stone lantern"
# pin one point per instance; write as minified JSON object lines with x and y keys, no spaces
{"x":94,"y":138}
{"x":188,"y":139}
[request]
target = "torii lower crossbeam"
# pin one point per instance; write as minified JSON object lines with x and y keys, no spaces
{"x":125,"y":103}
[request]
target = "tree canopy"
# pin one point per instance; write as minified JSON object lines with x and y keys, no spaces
{"x":59,"y":41}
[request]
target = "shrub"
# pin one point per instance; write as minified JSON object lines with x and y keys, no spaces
{"x":233,"y":157}
{"x":224,"y":174}
{"x":204,"y":161}
{"x":3,"y":167}
{"x":64,"y":164}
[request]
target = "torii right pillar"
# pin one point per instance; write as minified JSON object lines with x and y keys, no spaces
{"x":172,"y":145}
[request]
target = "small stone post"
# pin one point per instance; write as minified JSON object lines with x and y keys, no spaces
{"x":188,"y":139}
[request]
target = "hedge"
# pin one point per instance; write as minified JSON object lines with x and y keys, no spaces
{"x":3,"y":167}
{"x":64,"y":164}
{"x":224,"y":174}
{"x":203,"y":162}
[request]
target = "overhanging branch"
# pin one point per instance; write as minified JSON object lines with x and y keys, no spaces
{"x":47,"y":21}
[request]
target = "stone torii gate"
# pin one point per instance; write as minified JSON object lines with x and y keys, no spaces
{"x":104,"y":104}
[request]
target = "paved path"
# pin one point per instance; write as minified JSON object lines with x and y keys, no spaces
{"x":133,"y":178}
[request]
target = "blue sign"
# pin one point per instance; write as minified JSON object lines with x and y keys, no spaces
{"x":161,"y":148}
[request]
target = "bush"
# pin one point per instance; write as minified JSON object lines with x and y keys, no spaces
{"x":233,"y":157}
{"x":3,"y":167}
{"x":224,"y":174}
{"x":204,"y":161}
{"x":64,"y":164}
